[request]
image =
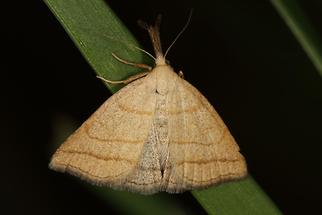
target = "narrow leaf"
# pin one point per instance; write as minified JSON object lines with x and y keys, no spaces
{"x":239,"y":197}
{"x":302,"y":29}
{"x":98,"y":33}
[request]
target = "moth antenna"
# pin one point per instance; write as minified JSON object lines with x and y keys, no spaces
{"x":179,"y":34}
{"x":146,"y":52}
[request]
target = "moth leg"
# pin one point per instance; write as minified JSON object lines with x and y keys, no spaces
{"x":126,"y":81}
{"x":181,"y":74}
{"x":140,"y":65}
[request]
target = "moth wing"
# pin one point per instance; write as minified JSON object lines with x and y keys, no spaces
{"x":202,"y":152}
{"x":107,"y":148}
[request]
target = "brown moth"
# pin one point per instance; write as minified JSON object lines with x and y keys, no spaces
{"x":158,"y":133}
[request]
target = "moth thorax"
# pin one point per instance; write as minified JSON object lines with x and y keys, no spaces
{"x":163,"y":78}
{"x":160,"y":60}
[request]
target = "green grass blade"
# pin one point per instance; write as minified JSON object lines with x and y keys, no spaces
{"x":97,"y":32}
{"x":239,"y":197}
{"x":302,"y":29}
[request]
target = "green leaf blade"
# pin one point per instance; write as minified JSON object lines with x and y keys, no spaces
{"x":238,"y":197}
{"x":98,"y":33}
{"x":304,"y":32}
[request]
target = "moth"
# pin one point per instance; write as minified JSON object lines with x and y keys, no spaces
{"x":158,"y":133}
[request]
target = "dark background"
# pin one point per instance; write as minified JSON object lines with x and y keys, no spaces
{"x":239,"y":54}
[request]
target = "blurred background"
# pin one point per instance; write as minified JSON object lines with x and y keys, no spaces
{"x":240,"y":54}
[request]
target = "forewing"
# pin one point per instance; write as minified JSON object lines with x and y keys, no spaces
{"x":106,"y":149}
{"x":202,"y":150}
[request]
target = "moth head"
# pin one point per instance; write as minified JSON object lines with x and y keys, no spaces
{"x":154,"y":32}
